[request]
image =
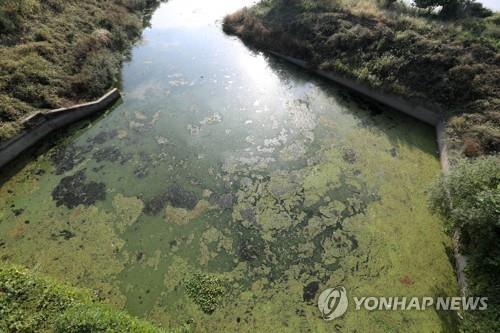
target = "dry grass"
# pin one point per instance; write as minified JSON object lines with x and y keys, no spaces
{"x":244,"y":24}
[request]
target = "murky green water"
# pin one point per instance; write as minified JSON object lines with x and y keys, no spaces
{"x":226,"y":162}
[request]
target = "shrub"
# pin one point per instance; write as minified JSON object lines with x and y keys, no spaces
{"x":99,"y":72}
{"x":95,"y":318}
{"x":469,"y":201}
{"x":31,"y":303}
{"x":470,"y":196}
{"x":12,"y":109}
{"x":8,"y":130}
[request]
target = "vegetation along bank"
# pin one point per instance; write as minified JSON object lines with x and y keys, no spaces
{"x":57,"y":53}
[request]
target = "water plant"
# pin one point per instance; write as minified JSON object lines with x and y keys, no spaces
{"x":205,"y":290}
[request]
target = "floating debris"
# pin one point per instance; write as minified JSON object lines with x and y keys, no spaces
{"x":278,"y":141}
{"x":301,"y":117}
{"x":122,"y":134}
{"x":250,"y":139}
{"x":136,"y":125}
{"x":268,"y":150}
{"x":66,"y":234}
{"x":177,"y":83}
{"x":140,"y":115}
{"x":156,"y":118}
{"x":293,"y":152}
{"x":212,"y":119}
{"x":161,"y":140}
{"x":194,"y":130}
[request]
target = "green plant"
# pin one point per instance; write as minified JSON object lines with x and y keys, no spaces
{"x":32,"y":303}
{"x":469,"y":201}
{"x":97,"y":318}
{"x":469,"y":197}
{"x":99,"y":71}
{"x":205,"y":290}
{"x":8,"y":130}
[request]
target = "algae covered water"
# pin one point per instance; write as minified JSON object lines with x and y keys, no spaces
{"x":228,"y":189}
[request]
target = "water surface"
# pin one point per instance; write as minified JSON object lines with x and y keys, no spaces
{"x":223,"y":161}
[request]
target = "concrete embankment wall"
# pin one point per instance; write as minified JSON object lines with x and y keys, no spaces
{"x":416,"y":111}
{"x":40,"y":124}
{"x":413,"y":110}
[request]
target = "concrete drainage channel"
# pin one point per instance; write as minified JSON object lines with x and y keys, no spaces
{"x":41,"y":124}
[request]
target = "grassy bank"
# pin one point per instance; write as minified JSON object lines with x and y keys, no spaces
{"x":452,"y":67}
{"x":56,"y":53}
{"x":31,"y":303}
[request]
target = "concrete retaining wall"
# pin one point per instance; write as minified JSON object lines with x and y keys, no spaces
{"x":40,"y":124}
{"x":413,"y":110}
